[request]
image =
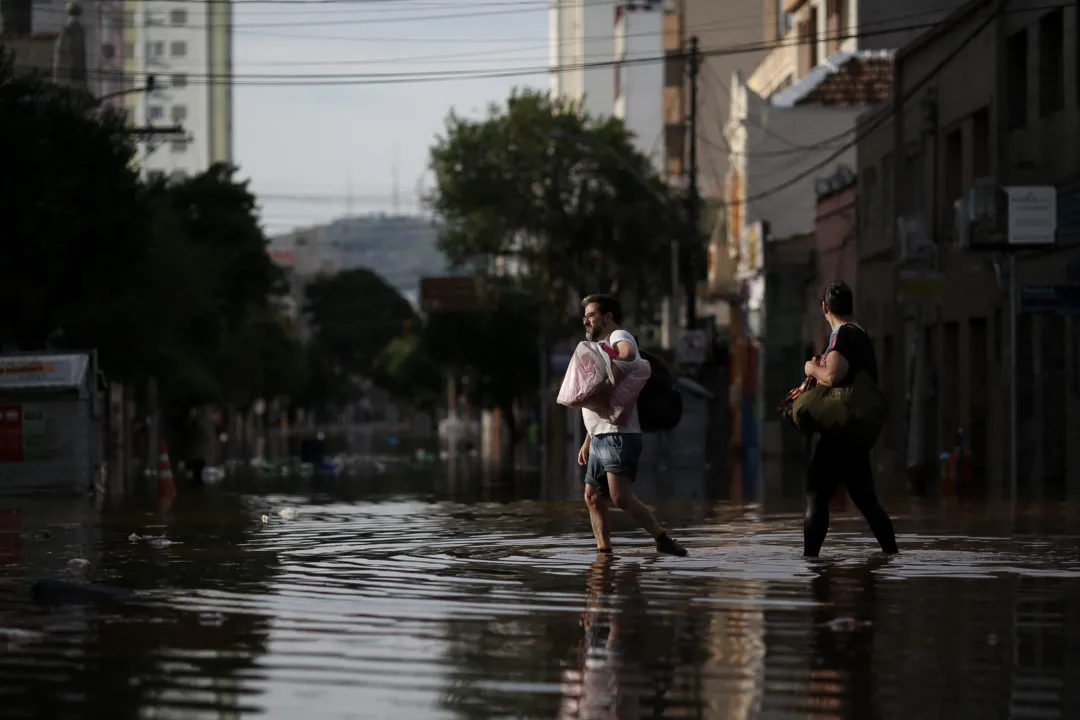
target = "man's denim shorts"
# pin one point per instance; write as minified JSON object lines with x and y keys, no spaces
{"x":616,"y":453}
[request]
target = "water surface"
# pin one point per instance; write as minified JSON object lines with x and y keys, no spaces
{"x":396,"y":600}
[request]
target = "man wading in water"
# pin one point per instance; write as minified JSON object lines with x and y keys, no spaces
{"x":833,"y":461}
{"x":610,"y":452}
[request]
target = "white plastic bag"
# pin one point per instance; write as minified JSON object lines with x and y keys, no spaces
{"x":624,"y":395}
{"x":587,"y":373}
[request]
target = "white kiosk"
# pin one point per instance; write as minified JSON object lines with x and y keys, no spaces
{"x":51,"y":415}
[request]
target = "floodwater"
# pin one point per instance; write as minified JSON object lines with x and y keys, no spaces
{"x":388,"y":596}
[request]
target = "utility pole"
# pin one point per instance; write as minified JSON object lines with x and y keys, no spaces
{"x":693,"y":198}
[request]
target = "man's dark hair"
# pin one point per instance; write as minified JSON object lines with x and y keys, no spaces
{"x":607,"y":303}
{"x":839,"y":299}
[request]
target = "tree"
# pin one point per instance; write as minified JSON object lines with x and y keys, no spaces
{"x":497,"y":348}
{"x":229,"y":347}
{"x":72,"y":234}
{"x":566,"y":195}
{"x":169,"y":281}
{"x":355,"y":314}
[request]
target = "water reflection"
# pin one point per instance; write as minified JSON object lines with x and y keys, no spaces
{"x":393,"y":594}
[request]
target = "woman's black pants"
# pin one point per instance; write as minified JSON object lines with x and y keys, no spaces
{"x":834,"y":463}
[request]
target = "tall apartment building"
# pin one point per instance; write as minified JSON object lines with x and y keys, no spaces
{"x":638,"y":84}
{"x":595,"y":49}
{"x":187,"y":47}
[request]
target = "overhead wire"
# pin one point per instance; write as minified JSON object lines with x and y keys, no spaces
{"x":360,"y":79}
{"x":337,"y":79}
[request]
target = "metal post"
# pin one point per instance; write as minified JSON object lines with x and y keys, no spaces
{"x":1014,"y":284}
{"x":693,"y":198}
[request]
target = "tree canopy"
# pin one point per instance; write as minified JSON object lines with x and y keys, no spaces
{"x":165,"y":280}
{"x":355,"y":314}
{"x":566,"y":196}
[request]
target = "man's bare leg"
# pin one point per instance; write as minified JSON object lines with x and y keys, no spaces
{"x":624,"y":498}
{"x":599,"y":516}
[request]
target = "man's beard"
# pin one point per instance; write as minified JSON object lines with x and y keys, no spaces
{"x":593,"y":334}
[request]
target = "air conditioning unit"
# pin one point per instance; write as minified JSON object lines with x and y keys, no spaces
{"x":914,"y":242}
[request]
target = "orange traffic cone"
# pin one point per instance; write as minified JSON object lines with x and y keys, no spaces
{"x":166,"y":487}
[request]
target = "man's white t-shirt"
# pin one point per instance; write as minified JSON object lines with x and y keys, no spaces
{"x":596,"y":425}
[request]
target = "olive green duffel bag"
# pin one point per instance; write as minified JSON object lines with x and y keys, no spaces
{"x":855,"y":412}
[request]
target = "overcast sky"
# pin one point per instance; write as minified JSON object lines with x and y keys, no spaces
{"x":303,"y":146}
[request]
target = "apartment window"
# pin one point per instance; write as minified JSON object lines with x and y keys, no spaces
{"x":155,"y":112}
{"x":980,"y":143}
{"x":1016,"y":79}
{"x":129,"y":19}
{"x":178,"y":48}
{"x":179,"y":113}
{"x":843,"y":17}
{"x":1052,"y":62}
{"x":155,"y":49}
{"x":179,"y":145}
{"x":868,"y":193}
{"x":887,"y":191}
{"x":954,"y":170}
{"x":178,"y":18}
{"x":179,"y":80}
{"x":815,"y":58}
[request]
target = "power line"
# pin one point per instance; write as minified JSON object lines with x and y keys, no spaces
{"x":246,"y":28}
{"x":345,"y":79}
{"x":335,"y":79}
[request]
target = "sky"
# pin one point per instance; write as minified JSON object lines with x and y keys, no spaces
{"x":308,"y":146}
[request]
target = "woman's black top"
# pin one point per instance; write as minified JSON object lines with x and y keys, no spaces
{"x":854,"y":344}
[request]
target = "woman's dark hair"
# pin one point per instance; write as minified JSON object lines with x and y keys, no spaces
{"x":839,"y":299}
{"x":607,"y":304}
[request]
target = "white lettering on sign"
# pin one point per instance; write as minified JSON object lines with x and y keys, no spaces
{"x":1032,"y":215}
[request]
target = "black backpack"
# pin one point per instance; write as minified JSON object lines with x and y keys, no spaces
{"x":659,"y":404}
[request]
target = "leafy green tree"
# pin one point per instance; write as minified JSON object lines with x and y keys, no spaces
{"x":565,"y":195}
{"x":354,"y":315}
{"x":72,"y":228}
{"x":496,"y":347}
{"x":410,"y":373}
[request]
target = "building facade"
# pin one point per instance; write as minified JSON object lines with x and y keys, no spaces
{"x":603,"y":55}
{"x":582,"y":32}
{"x":187,"y":48}
{"x":989,"y":98}
{"x":637,"y":85}
{"x":813,"y":30}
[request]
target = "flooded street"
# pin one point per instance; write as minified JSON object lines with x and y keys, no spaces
{"x":391,"y":597}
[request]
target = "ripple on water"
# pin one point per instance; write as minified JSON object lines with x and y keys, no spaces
{"x":427,"y":609}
